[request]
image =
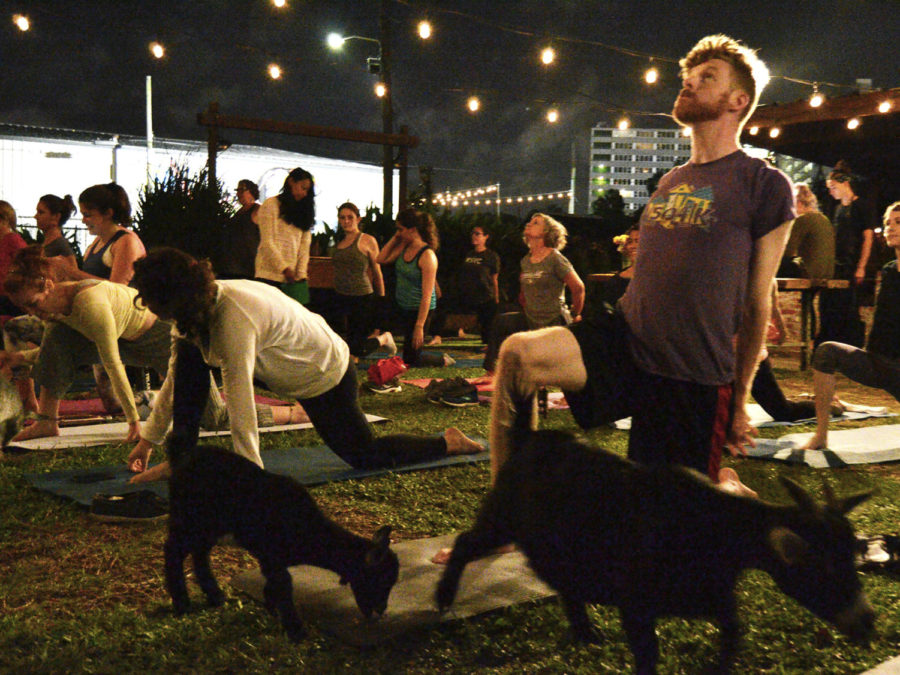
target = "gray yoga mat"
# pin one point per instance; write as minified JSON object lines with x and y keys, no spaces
{"x":865,"y":445}
{"x":487,"y":584}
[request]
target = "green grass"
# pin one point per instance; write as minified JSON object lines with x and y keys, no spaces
{"x":80,"y":596}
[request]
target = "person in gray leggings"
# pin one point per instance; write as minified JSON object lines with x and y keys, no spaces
{"x":879,"y":364}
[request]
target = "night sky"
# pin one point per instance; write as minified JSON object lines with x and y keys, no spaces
{"x":82,"y":66}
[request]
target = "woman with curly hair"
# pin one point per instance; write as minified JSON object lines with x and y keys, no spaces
{"x":252,"y":331}
{"x":109,"y":327}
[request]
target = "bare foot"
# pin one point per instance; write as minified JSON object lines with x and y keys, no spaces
{"x":386,"y":340}
{"x":40,"y":429}
{"x":730,"y":482}
{"x":160,"y":471}
{"x":815,"y":443}
{"x":436,"y":340}
{"x":442,"y":557}
{"x":460,"y":444}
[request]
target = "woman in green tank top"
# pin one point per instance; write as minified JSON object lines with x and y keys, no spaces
{"x":413,"y":251}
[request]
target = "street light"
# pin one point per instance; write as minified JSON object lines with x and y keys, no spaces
{"x":380,"y":65}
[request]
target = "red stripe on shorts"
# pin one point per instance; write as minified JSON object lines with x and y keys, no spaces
{"x":719,"y":430}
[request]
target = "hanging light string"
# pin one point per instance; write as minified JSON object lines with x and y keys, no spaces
{"x":489,"y":195}
{"x":275,"y":71}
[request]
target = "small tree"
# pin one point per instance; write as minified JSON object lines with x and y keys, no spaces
{"x":182,"y":210}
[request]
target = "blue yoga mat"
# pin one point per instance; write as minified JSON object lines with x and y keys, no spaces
{"x":309,"y":466}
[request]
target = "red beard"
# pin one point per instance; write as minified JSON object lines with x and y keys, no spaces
{"x":688,"y":110}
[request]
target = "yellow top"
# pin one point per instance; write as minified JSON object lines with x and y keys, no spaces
{"x":103,"y":312}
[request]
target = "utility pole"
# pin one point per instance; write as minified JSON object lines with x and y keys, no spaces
{"x":387,"y":114}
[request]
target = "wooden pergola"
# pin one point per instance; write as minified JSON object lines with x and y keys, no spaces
{"x":213,"y":120}
{"x":821,"y":134}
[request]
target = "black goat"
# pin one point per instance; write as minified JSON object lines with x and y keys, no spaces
{"x":659,"y":541}
{"x":213,"y":492}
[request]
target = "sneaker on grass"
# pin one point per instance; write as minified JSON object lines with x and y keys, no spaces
{"x":461,"y":400}
{"x":132,"y":507}
{"x":386,"y":388}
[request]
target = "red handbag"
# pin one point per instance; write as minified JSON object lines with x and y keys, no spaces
{"x":385,"y":370}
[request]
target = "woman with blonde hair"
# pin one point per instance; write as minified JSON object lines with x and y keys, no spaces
{"x":545,"y":275}
{"x":810,"y":250}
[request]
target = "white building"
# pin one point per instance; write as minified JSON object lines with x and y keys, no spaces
{"x":625,"y":159}
{"x":35,"y":161}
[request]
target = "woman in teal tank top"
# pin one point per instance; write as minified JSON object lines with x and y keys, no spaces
{"x":412,"y":250}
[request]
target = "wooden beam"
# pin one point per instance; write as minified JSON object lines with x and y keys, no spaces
{"x":839,"y":108}
{"x":299,"y":129}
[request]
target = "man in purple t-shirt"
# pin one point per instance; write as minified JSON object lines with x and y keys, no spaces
{"x":679,"y":353}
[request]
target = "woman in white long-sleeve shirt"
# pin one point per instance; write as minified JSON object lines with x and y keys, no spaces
{"x":252,"y":331}
{"x":285,"y":230}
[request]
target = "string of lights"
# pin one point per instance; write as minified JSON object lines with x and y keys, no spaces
{"x":547,"y":56}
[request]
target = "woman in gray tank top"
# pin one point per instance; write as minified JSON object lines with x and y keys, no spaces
{"x":358,"y":286}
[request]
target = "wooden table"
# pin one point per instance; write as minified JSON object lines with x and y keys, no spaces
{"x":808,"y":289}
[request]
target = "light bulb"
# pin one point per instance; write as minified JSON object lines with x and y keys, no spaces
{"x":22,"y":22}
{"x":473,"y":104}
{"x":335,"y":41}
{"x":884,"y":106}
{"x":553,"y":116}
{"x":424,"y":29}
{"x":380,"y":90}
{"x":853,"y":123}
{"x":274,"y":71}
{"x":651,"y":76}
{"x":548,"y":55}
{"x":623,"y":124}
{"x":816,"y":100}
{"x":157,"y":50}
{"x":774,"y":132}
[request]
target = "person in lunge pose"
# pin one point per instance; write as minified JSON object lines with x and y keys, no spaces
{"x":879,"y":364}
{"x":253,"y":331}
{"x":711,"y":239}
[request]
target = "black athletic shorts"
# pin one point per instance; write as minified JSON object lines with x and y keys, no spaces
{"x":672,"y":421}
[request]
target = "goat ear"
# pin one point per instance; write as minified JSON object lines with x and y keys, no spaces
{"x":788,"y":546}
{"x":382,"y":538}
{"x":799,"y":495}
{"x":847,"y":504}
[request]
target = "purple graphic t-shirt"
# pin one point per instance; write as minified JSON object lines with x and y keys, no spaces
{"x":684,"y":304}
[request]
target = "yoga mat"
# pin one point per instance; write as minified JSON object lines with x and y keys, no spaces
{"x":309,"y":465}
{"x":116,"y":432}
{"x":865,"y":445}
{"x":425,"y":381}
{"x":889,"y":667}
{"x":487,"y":584}
{"x":760,"y":418}
{"x":85,"y":407}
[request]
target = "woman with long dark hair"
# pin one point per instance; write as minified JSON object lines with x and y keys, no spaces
{"x":358,"y":287}
{"x":413,"y":251}
{"x":255,"y":332}
{"x":50,"y":215}
{"x":285,"y":234}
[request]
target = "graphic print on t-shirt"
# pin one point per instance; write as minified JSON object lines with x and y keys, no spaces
{"x":683,"y":206}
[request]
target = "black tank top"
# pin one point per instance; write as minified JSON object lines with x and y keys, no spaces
{"x":93,"y":262}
